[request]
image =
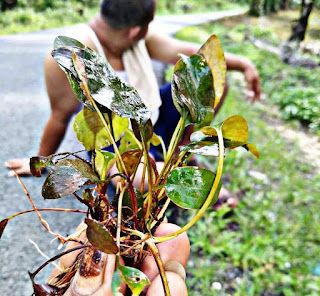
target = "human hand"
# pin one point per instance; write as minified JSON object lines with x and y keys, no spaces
{"x":252,"y":78}
{"x":20,"y":165}
{"x":174,"y":255}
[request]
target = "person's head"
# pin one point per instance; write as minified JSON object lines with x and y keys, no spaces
{"x":122,"y":14}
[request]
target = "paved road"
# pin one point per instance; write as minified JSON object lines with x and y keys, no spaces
{"x":24,"y":110}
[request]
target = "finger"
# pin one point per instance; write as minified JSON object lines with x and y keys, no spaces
{"x":94,"y":276}
{"x":20,"y":172}
{"x":67,"y":260}
{"x":177,"y":285}
{"x":177,"y":249}
{"x":17,"y":162}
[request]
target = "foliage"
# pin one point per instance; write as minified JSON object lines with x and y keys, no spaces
{"x":37,"y":15}
{"x":294,"y":89}
{"x":124,"y":224}
{"x":27,"y":18}
{"x":269,"y":244}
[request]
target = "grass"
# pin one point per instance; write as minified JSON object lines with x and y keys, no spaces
{"x":274,"y":248}
{"x":28,"y":19}
{"x":269,"y":245}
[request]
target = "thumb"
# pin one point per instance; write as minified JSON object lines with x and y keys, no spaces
{"x":94,"y":276}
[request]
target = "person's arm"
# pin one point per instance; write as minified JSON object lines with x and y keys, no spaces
{"x":63,"y":104}
{"x":166,"y":49}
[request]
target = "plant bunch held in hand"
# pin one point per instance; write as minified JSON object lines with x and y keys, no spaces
{"x":115,"y":116}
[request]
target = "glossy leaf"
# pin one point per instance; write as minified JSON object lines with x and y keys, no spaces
{"x":104,"y":161}
{"x":43,"y":290}
{"x":189,"y":187}
{"x":37,"y":163}
{"x":206,"y":148}
{"x":116,"y":283}
{"x":3,"y":224}
{"x":66,"y":177}
{"x":61,"y":41}
{"x":192,"y":90}
{"x":100,"y":237}
{"x":91,"y":132}
{"x":234,"y":131}
{"x":127,"y":205}
{"x":144,"y":131}
{"x":214,"y":55}
{"x":134,"y":278}
{"x":104,"y":85}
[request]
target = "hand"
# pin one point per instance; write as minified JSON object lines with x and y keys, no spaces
{"x":20,"y":165}
{"x":252,"y":78}
{"x":174,"y":255}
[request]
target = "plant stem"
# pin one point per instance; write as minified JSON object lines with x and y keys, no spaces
{"x":119,"y":222}
{"x":208,"y":200}
{"x":148,"y":200}
{"x":47,"y":209}
{"x":155,"y":252}
{"x":42,"y":221}
{"x":172,"y":147}
{"x":160,"y":215}
{"x":32,"y":275}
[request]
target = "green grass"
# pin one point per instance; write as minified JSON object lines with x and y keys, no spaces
{"x":30,"y":17}
{"x":276,"y":245}
{"x":294,"y":90}
{"x":273,"y":245}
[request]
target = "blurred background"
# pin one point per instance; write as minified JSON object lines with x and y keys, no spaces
{"x":270,"y":243}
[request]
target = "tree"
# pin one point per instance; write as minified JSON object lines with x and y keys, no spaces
{"x":8,"y":4}
{"x":300,"y":25}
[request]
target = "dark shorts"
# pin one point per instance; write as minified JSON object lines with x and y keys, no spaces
{"x":167,"y":121}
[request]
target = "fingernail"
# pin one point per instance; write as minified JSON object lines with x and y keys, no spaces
{"x":91,"y":272}
{"x":177,"y":268}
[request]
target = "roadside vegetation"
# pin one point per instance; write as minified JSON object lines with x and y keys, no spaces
{"x":38,"y":15}
{"x":269,"y":244}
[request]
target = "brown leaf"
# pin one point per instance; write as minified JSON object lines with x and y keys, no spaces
{"x":3,"y":225}
{"x":100,"y":237}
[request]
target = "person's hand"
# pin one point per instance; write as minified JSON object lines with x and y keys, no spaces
{"x":252,"y":78}
{"x":20,"y":165}
{"x":174,"y":255}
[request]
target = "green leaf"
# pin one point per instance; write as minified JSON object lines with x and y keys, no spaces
{"x":91,"y":132}
{"x":100,"y":237}
{"x":66,"y":177}
{"x":3,"y":224}
{"x":144,"y":130}
{"x":134,"y":278}
{"x":192,"y":90}
{"x":126,"y":203}
{"x":104,"y":161}
{"x":202,"y":148}
{"x":61,"y":41}
{"x":214,"y":55}
{"x":116,"y":283}
{"x":104,"y":85}
{"x":189,"y":187}
{"x":37,"y":163}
